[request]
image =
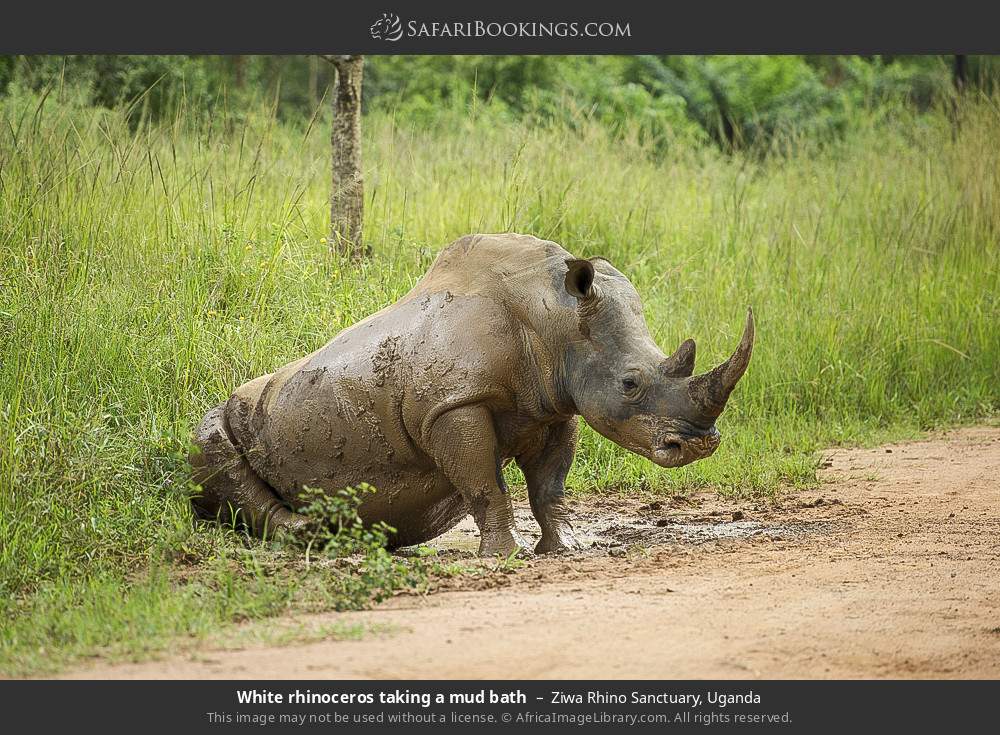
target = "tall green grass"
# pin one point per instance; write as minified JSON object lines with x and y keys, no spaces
{"x":146,"y":270}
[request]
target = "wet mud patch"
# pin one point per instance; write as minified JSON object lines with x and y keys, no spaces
{"x":611,"y":525}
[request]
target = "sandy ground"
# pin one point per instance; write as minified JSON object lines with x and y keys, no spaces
{"x":890,"y":569}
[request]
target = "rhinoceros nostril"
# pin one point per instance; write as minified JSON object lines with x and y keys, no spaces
{"x":672,"y":446}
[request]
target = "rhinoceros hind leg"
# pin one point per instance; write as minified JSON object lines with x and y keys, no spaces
{"x":231,"y":491}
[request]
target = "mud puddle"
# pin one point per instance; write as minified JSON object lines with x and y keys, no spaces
{"x":608,"y":525}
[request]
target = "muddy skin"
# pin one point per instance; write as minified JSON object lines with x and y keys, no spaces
{"x":490,"y":358}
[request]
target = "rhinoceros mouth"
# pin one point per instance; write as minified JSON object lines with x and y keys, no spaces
{"x":677,"y":450}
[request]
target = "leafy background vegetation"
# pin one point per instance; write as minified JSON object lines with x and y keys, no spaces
{"x":162,"y":240}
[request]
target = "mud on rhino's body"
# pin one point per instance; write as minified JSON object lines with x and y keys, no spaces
{"x":491,"y":357}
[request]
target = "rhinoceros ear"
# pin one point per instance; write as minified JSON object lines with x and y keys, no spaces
{"x":580,"y":278}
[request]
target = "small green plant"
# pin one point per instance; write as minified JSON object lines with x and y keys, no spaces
{"x":510,"y":563}
{"x":335,"y":528}
{"x":336,"y":531}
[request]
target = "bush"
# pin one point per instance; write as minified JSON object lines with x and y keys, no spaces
{"x":336,"y":531}
{"x":686,"y":100}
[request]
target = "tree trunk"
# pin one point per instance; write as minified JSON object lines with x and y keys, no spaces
{"x":240,"y":70}
{"x":960,"y":71}
{"x":347,"y":197}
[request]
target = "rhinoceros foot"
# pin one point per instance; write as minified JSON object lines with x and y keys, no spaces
{"x":503,"y":543}
{"x":556,"y":540}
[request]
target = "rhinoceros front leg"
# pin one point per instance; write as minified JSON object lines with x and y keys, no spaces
{"x":464,"y":446}
{"x":545,"y":471}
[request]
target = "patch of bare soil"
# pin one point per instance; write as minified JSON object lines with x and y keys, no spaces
{"x":890,"y":569}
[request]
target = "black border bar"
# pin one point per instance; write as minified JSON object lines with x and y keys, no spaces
{"x":771,"y":706}
{"x":655,"y":26}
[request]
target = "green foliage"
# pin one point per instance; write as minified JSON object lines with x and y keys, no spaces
{"x":667,"y":100}
{"x":201,"y":585}
{"x":117,"y":616}
{"x":336,"y":530}
{"x":157,"y":83}
{"x":510,"y":563}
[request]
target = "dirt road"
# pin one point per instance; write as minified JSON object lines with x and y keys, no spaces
{"x":891,"y":568}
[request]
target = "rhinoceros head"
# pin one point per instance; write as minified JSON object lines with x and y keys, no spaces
{"x":623,"y":384}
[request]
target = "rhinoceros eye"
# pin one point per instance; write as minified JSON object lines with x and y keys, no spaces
{"x":629,"y":384}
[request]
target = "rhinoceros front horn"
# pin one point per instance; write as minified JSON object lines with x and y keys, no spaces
{"x":710,"y":391}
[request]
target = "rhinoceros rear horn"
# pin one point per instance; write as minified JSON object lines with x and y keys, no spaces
{"x":681,"y":363}
{"x":710,"y":391}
